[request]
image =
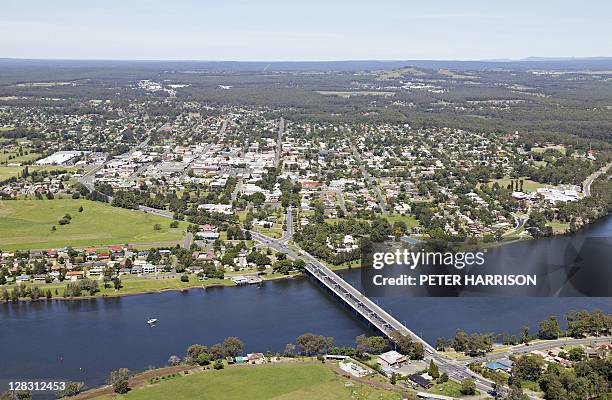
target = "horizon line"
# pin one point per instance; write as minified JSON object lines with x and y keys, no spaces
{"x":492,"y":60}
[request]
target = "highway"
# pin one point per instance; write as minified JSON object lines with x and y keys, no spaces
{"x":586,"y":186}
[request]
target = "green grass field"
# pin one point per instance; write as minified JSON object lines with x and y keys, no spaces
{"x":132,"y":284}
{"x":541,"y":150}
{"x":26,"y":224}
{"x":8,"y":172}
{"x":4,"y":157}
{"x":559,"y":227}
{"x":448,"y":388}
{"x":528,"y":184}
{"x":279,"y":382}
{"x":410,"y":220}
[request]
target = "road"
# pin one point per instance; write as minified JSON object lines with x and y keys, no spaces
{"x":88,"y":179}
{"x":288,"y":234}
{"x":188,"y":240}
{"x":340,"y":198}
{"x":155,"y":211}
{"x":549,"y":344}
{"x":520,"y":222}
{"x":206,"y":149}
{"x":370,"y":181}
{"x":586,"y":185}
{"x":279,"y":142}
{"x":236,"y":190}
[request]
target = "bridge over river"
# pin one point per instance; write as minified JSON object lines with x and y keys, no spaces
{"x":362,"y":305}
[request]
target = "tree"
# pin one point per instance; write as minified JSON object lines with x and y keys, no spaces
{"x":232,"y":346}
{"x":361,"y":342}
{"x":468,"y":387}
{"x":310,"y":343}
{"x":203,"y":359}
{"x":377,"y":344}
{"x":119,"y":380}
{"x":516,"y":393}
{"x":157,"y":227}
{"x":218,"y":364}
{"x":460,"y":342}
{"x":195,"y":350}
{"x":289,"y":350}
{"x":549,"y":328}
{"x":71,"y":389}
{"x":525,"y":334}
{"x":217,"y":350}
{"x":441,"y":344}
{"x":528,"y":367}
{"x":576,"y":354}
{"x":433,"y":370}
{"x":555,"y":390}
{"x":406,"y":346}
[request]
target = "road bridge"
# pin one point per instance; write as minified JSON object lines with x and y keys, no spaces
{"x":362,"y":305}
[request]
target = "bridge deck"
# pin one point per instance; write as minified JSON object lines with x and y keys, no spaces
{"x":374,"y":314}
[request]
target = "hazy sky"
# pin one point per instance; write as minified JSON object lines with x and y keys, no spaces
{"x":304,"y":29}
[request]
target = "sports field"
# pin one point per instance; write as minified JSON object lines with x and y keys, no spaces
{"x":27,"y":224}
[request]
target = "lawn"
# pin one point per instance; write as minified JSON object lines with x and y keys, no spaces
{"x":528,"y":184}
{"x":9,"y":172}
{"x":559,"y":227}
{"x":132,"y":284}
{"x":448,"y":388}
{"x":541,"y":150}
{"x":298,"y":381}
{"x":410,"y":220}
{"x":27,"y":224}
{"x":4,"y":157}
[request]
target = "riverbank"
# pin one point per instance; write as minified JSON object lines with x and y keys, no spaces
{"x":130,"y":286}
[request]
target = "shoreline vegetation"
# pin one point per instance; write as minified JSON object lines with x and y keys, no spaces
{"x":194,"y":283}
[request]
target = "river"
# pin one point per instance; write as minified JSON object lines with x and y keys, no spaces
{"x":85,"y":339}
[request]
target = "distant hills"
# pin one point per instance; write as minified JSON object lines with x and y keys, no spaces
{"x":557,"y":63}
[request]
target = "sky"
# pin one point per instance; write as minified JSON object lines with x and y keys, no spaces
{"x":291,"y":30}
